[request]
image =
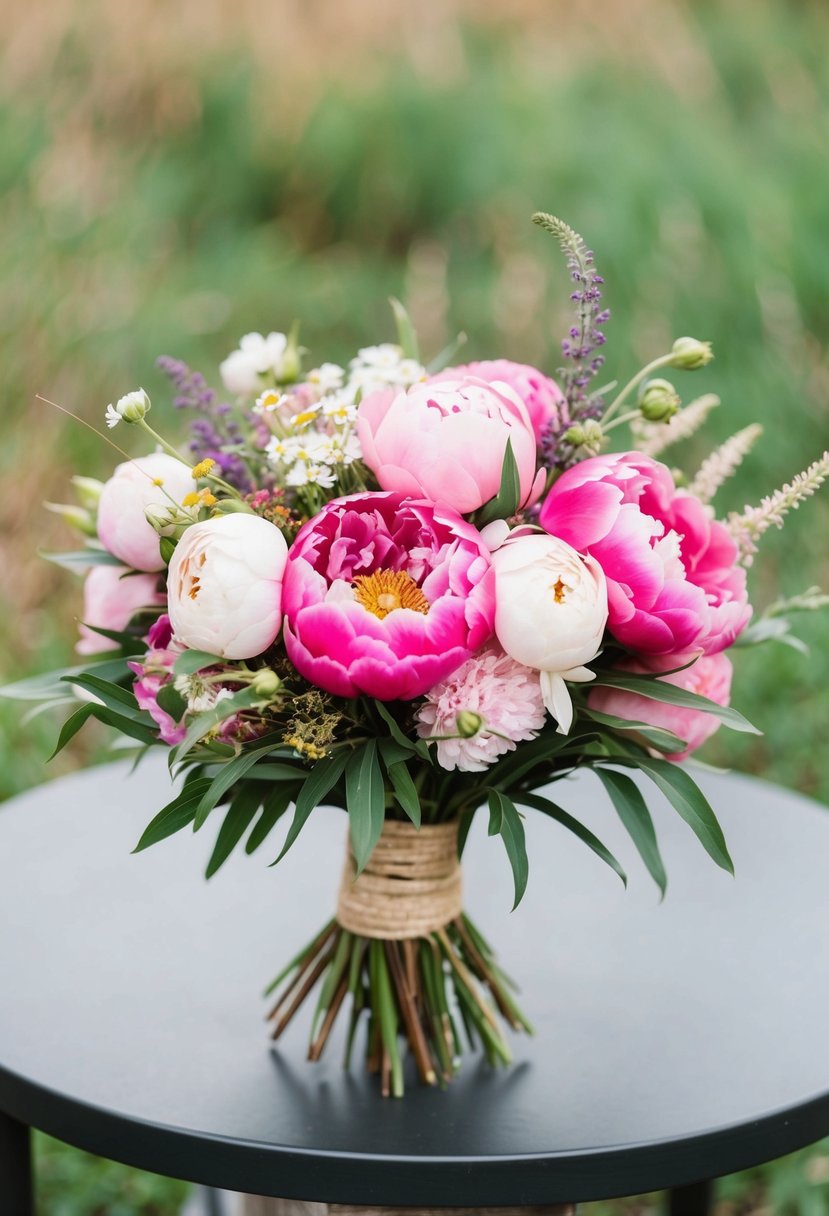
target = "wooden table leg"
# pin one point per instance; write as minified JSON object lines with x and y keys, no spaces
{"x":259,"y":1205}
{"x":693,"y":1200}
{"x":16,"y":1195}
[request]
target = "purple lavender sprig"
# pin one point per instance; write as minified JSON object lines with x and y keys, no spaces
{"x":215,"y":433}
{"x":586,"y":336}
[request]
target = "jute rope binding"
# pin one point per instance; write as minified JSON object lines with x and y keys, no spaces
{"x":411,"y":886}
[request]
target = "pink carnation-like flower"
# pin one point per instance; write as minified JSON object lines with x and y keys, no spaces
{"x":673,"y":583}
{"x":445,"y":440}
{"x":111,"y":597}
{"x":505,"y":695}
{"x":154,"y":671}
{"x":385,"y":595}
{"x":545,"y":402}
{"x":710,"y":677}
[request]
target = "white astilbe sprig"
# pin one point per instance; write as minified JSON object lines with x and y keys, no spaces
{"x":810,"y":600}
{"x":653,"y":437}
{"x":748,"y":526}
{"x":723,"y":461}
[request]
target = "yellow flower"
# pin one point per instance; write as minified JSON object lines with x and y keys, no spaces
{"x":203,"y":468}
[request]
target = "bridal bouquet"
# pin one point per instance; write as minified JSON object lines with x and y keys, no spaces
{"x":412,"y":592}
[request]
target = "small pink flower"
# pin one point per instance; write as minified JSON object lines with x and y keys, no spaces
{"x":111,"y":598}
{"x":445,"y":440}
{"x":673,"y":582}
{"x":545,"y":402}
{"x":385,"y":595}
{"x":710,"y":677}
{"x":505,"y":695}
{"x":154,"y":672}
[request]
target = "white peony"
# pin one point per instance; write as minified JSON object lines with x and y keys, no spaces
{"x":550,"y":614}
{"x":225,"y":586}
{"x":258,"y":360}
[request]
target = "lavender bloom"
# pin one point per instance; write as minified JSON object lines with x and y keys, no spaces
{"x":215,"y":434}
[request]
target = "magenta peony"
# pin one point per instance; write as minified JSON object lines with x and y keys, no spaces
{"x":111,"y":598}
{"x":154,"y":671}
{"x":673,"y":583}
{"x":445,"y":440}
{"x":504,"y":695}
{"x":545,"y":402}
{"x":386,"y":596}
{"x":710,"y":677}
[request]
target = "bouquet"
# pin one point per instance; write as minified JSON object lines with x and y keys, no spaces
{"x":414,"y":592}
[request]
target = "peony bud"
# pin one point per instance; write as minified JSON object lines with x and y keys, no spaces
{"x":658,"y":400}
{"x":157,"y":481}
{"x":550,"y":614}
{"x":690,"y":354}
{"x":225,"y":586}
{"x":266,"y":682}
{"x":468,"y":723}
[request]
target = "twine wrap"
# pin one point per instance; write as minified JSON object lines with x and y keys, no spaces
{"x":410,"y":887}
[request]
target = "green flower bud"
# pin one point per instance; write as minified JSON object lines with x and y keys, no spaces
{"x":130,"y":408}
{"x":231,"y":506}
{"x":593,"y":434}
{"x":266,"y":682}
{"x":88,"y":491}
{"x":575,"y":434}
{"x":658,"y":400}
{"x":290,"y":365}
{"x":468,"y":723}
{"x":690,"y":354}
{"x":167,"y":521}
{"x":77,"y":517}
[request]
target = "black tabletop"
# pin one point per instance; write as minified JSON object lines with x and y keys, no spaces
{"x":673,"y":1041}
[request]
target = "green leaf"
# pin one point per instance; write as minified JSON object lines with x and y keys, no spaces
{"x":507,"y":500}
{"x":190,"y":661}
{"x":320,"y":781}
{"x":277,"y":802}
{"x":71,"y":727}
{"x":81,"y":560}
{"x":504,"y":820}
{"x":166,"y":547}
{"x":687,"y":798}
{"x":573,"y":825}
{"x":394,"y":729}
{"x":129,"y":643}
{"x":659,"y":690}
{"x":52,"y":684}
{"x":771,"y":629}
{"x":174,"y":816}
{"x":663,"y":740}
{"x":119,"y":699}
{"x":246,"y":698}
{"x":229,"y":774}
{"x":240,"y":815}
{"x":144,"y":732}
{"x":448,"y":353}
{"x":406,"y":335}
{"x":405,"y":790}
{"x":365,"y":797}
{"x":636,"y":818}
{"x":171,"y":701}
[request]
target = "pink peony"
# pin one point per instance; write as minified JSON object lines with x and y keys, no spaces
{"x":673,"y":583}
{"x":386,"y":596}
{"x":505,"y":695}
{"x":111,"y":598}
{"x":155,"y":671}
{"x":156,"y":480}
{"x":545,"y":402}
{"x":445,"y":440}
{"x":710,"y":677}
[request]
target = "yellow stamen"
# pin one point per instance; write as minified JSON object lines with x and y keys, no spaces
{"x":207,"y":499}
{"x":302,"y":419}
{"x":191,"y":499}
{"x":558,"y":591}
{"x":158,"y":481}
{"x":202,"y":468}
{"x":385,"y":590}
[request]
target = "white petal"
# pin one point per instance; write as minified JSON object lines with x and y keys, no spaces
{"x":557,"y":700}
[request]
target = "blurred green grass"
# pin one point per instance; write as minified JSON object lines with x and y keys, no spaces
{"x":166,"y":185}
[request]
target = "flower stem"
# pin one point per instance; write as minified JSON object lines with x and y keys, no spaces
{"x":619,"y":399}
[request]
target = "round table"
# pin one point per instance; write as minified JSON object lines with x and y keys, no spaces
{"x":674,"y":1042}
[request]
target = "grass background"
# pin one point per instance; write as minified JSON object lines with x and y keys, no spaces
{"x":172,"y":177}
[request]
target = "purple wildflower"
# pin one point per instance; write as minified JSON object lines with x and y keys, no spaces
{"x":215,"y":434}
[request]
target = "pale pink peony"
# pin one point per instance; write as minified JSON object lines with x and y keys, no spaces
{"x":111,"y":598}
{"x":545,"y":402}
{"x":710,"y":677}
{"x":445,"y":440}
{"x":386,"y":596}
{"x":154,"y":672}
{"x":150,"y":481}
{"x":504,"y":694}
{"x":673,"y":582}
